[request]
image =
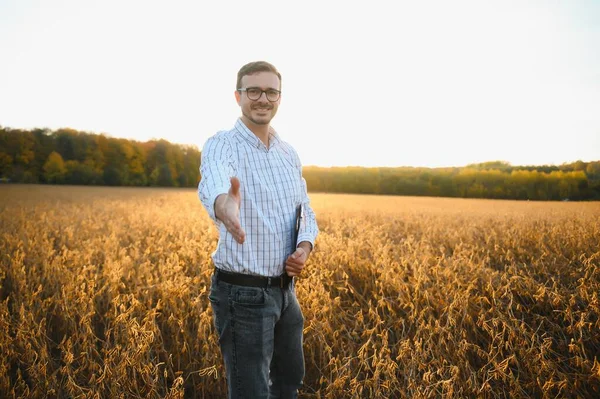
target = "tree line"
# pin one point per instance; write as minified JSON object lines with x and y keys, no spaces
{"x":68,"y":156}
{"x":497,"y":180}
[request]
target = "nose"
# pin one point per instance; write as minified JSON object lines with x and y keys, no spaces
{"x":264,"y":93}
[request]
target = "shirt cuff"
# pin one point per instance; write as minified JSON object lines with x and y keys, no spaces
{"x":211,"y":201}
{"x":306,"y":237}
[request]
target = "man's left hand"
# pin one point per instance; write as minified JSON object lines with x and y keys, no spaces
{"x":296,"y":261}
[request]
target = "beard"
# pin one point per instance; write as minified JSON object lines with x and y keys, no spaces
{"x":264,"y":120}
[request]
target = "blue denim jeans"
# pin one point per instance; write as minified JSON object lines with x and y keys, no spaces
{"x":260,"y":335}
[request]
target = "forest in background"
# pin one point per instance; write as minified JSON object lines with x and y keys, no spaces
{"x":68,"y":156}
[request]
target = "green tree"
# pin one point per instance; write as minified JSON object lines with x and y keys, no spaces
{"x":6,"y":163}
{"x":54,"y":168}
{"x":80,"y":173}
{"x":593,"y":170}
{"x":116,"y":168}
{"x":162,"y":176}
{"x":136,"y":158}
{"x":44,"y":145}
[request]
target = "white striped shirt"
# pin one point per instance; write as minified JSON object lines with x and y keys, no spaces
{"x":271,"y":188}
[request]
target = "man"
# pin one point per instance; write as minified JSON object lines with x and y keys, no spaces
{"x":252,"y":187}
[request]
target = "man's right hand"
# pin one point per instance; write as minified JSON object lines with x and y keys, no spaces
{"x":227,"y":210}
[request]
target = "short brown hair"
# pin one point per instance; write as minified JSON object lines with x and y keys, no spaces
{"x":256,"y":67}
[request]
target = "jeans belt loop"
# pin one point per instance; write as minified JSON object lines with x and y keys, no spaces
{"x":268,"y":282}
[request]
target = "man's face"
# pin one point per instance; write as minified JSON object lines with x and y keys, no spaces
{"x":260,"y":111}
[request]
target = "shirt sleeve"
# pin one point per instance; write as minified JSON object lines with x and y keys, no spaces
{"x":309,"y":229}
{"x":215,"y":172}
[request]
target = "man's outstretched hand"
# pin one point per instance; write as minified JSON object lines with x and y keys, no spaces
{"x":227,"y":210}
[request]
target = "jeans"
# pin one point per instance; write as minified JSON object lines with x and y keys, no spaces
{"x":260,"y":336}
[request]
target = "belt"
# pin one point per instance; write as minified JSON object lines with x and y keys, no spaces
{"x":248,"y":280}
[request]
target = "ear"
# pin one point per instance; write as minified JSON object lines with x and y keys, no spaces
{"x":238,"y":97}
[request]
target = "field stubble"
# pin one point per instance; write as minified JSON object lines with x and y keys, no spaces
{"x":103,"y":294}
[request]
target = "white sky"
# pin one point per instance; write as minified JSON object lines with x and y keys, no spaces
{"x":372,"y":83}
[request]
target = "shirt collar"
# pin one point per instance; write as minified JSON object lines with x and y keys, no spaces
{"x":253,"y":139}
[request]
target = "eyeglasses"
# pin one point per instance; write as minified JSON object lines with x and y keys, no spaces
{"x":254,"y":93}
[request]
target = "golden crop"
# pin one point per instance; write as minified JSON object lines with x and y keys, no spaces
{"x":103,"y":294}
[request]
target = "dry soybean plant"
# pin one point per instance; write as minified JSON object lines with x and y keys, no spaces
{"x":103,"y":294}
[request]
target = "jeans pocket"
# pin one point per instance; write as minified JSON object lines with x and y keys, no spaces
{"x":214,"y":296}
{"x":213,"y":293}
{"x":249,"y":296}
